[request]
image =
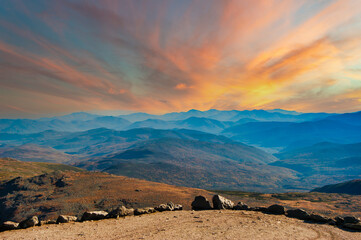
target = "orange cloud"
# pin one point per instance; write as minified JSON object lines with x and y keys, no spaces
{"x":175,"y":55}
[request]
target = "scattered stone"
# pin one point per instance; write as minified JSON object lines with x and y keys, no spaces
{"x":30,"y":222}
{"x":276,"y":209}
{"x":94,"y":215}
{"x":351,"y":219}
{"x":178,"y":207}
{"x":298,"y":213}
{"x":66,"y":219}
{"x":220,"y":202}
{"x":319,"y":218}
{"x":201,"y":203}
{"x":241,"y":206}
{"x":8,"y":225}
{"x":120,"y":212}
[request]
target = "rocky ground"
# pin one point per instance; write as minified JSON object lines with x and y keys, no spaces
{"x":212,"y":224}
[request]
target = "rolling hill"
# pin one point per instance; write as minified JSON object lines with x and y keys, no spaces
{"x":35,"y":153}
{"x":352,"y":187}
{"x":11,"y":168}
{"x":348,"y":118}
{"x":294,"y":134}
{"x":72,"y":193}
{"x":195,"y":163}
{"x":323,"y":163}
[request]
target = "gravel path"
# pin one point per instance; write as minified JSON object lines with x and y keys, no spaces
{"x":188,"y":225}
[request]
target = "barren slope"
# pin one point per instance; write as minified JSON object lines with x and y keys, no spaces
{"x":75,"y":192}
{"x":187,"y":225}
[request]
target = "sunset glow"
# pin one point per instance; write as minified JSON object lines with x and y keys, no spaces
{"x":160,"y":56}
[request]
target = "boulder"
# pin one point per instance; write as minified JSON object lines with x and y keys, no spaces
{"x":220,"y":202}
{"x":298,"y":213}
{"x":120,"y":212}
{"x":351,"y":219}
{"x":48,"y":222}
{"x":259,"y":209}
{"x":30,"y":222}
{"x":162,"y":208}
{"x":201,"y":203}
{"x":319,"y":218}
{"x":339,"y":220}
{"x":66,"y":219}
{"x":94,"y":215}
{"x":178,"y":207}
{"x":241,"y":206}
{"x":171,"y":206}
{"x":276,"y":209}
{"x":141,"y":211}
{"x":8,"y":225}
{"x":354,"y":226}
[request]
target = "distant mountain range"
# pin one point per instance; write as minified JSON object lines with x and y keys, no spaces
{"x":205,"y":149}
{"x":208,"y":121}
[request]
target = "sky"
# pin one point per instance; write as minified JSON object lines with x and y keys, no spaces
{"x":163,"y":56}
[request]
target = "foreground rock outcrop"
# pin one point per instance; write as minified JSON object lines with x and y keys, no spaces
{"x":120,"y":212}
{"x":8,"y":225}
{"x":276,"y":209}
{"x":66,"y":219}
{"x":30,"y":222}
{"x":201,"y":203}
{"x":220,"y":202}
{"x":94,"y":215}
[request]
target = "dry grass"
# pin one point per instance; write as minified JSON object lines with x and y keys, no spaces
{"x":330,"y":204}
{"x":87,"y":191}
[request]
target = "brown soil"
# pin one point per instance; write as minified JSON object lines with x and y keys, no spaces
{"x":213,"y":224}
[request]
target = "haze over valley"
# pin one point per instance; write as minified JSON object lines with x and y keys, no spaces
{"x":263,"y":151}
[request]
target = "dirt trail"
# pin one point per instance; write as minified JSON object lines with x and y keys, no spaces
{"x":213,"y":224}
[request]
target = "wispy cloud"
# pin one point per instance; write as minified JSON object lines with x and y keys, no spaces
{"x":160,"y":56}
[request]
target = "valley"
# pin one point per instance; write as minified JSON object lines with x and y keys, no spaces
{"x":262,"y":151}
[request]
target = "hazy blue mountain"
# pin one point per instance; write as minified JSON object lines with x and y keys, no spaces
{"x":325,"y":151}
{"x":110,"y":122}
{"x":352,"y":187}
{"x":212,"y":121}
{"x":33,"y":126}
{"x":196,"y":163}
{"x":35,"y":153}
{"x":136,"y":117}
{"x":193,"y":123}
{"x":251,"y":128}
{"x":77,"y":116}
{"x":22,"y":126}
{"x":348,"y":118}
{"x":153,"y":123}
{"x":74,"y":141}
{"x":230,"y":115}
{"x":323,"y":163}
{"x":276,"y":134}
